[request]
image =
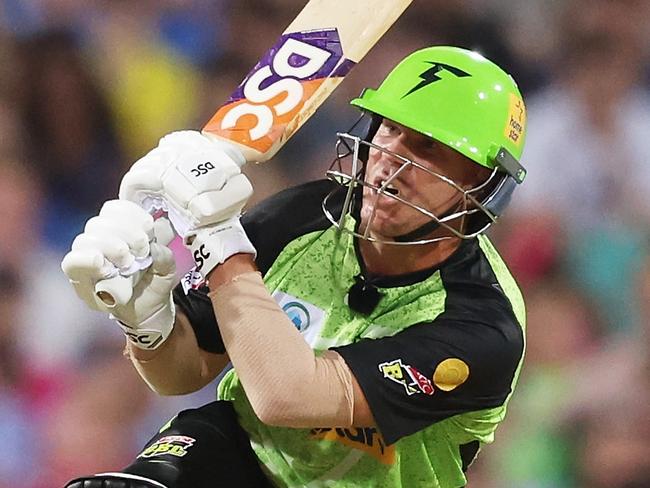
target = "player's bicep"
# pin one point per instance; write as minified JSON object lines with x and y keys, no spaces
{"x":430,"y":372}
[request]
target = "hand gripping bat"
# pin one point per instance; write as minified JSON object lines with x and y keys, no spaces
{"x":311,"y":58}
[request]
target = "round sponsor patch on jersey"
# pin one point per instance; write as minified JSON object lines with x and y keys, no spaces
{"x":450,"y":374}
{"x":298,"y":314}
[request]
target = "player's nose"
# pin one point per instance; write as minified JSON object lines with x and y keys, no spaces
{"x":394,"y":156}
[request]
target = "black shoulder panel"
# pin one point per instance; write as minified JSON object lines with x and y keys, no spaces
{"x":281,"y":218}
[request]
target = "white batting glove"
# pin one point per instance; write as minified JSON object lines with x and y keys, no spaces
{"x":195,"y":178}
{"x":124,"y":239}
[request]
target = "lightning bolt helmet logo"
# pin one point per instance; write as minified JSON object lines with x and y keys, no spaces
{"x":430,"y":75}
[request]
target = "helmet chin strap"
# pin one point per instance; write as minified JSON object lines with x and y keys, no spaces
{"x":418,"y":233}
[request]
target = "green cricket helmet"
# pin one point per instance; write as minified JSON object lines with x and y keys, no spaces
{"x":463,"y":100}
{"x":459,"y":98}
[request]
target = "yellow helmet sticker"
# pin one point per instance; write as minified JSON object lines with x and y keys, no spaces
{"x":516,"y":124}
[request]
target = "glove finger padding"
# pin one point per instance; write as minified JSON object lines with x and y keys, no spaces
{"x":163,"y":231}
{"x":163,"y":263}
{"x":83,"y":269}
{"x":216,"y":206}
{"x":112,"y":248}
{"x":191,"y":139}
{"x":128,"y":221}
{"x":84,"y":264}
{"x":144,"y":178}
{"x":120,"y":209}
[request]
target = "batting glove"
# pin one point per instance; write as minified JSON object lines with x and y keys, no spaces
{"x":124,"y":240}
{"x":195,"y":178}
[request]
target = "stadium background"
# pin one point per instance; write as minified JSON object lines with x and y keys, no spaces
{"x":87,"y":86}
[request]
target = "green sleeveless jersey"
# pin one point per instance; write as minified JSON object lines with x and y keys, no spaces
{"x":437,"y":353}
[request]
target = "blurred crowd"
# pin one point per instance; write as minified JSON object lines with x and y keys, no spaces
{"x":88,"y":86}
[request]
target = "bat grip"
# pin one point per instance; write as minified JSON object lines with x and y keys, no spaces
{"x":118,"y":290}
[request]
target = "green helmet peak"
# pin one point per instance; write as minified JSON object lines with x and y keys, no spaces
{"x":459,"y":98}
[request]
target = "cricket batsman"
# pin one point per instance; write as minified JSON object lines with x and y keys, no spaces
{"x":366,"y":331}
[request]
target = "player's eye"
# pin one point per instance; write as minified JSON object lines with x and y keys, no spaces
{"x":388,"y":128}
{"x":429,"y":144}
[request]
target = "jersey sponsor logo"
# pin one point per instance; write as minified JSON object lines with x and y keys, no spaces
{"x":406,"y":375}
{"x":306,"y":317}
{"x":298,"y":314}
{"x":174,"y":445}
{"x":271,"y":95}
{"x":450,"y":374}
{"x":516,"y":122}
{"x":366,"y":439}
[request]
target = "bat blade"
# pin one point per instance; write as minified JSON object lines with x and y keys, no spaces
{"x":311,"y":58}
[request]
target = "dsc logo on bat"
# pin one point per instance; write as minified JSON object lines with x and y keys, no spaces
{"x":257,"y":113}
{"x":281,"y":77}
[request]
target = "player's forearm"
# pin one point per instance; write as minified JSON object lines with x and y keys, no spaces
{"x":178,"y":366}
{"x":285,"y":382}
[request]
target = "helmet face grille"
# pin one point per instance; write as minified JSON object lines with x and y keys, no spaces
{"x":480,"y":206}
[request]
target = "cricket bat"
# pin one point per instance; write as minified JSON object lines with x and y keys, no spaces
{"x":311,"y":58}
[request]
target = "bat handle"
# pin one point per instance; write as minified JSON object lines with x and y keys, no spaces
{"x":117,"y":290}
